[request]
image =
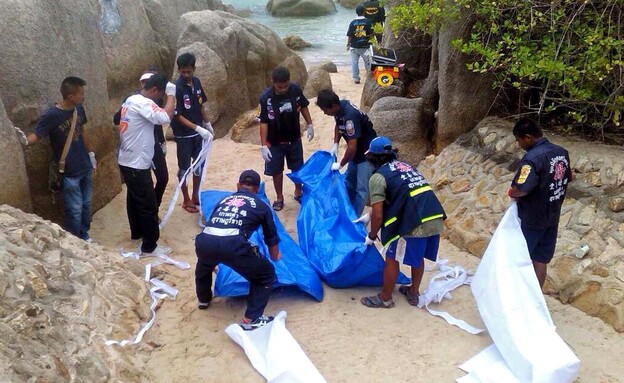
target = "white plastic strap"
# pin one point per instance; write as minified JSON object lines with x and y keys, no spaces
{"x":201,"y":160}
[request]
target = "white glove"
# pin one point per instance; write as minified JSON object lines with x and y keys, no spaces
{"x":204,"y":133}
{"x":310,"y":132}
{"x":266,"y":153}
{"x":208,"y":127}
{"x":335,"y":166}
{"x":365,"y":219}
{"x":334,"y":150}
{"x":21,"y":136}
{"x":170,"y":90}
{"x":163,"y":146}
{"x":93,"y":160}
{"x":368,"y":241}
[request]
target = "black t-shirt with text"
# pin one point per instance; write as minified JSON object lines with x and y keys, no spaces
{"x":282,"y":114}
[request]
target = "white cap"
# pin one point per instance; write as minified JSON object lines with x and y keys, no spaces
{"x":145,"y":76}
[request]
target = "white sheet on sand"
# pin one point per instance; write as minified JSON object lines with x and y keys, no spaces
{"x":526,"y":346}
{"x":274,"y":353}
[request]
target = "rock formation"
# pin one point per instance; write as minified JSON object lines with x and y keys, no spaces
{"x":471,"y":177}
{"x":295,"y":42}
{"x":60,"y":300}
{"x":282,"y":8}
{"x":235,"y":58}
{"x":318,"y":79}
{"x":12,"y":166}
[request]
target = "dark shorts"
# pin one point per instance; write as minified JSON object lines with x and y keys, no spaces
{"x":415,"y":250}
{"x":541,"y":243}
{"x":291,"y":151}
{"x":187,"y":149}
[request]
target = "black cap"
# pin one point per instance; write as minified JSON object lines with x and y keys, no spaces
{"x":249,"y":177}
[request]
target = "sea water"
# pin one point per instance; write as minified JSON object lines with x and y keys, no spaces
{"x":327,"y":34}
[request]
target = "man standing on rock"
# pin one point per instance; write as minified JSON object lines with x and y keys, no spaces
{"x":56,"y":123}
{"x":376,"y":14}
{"x":190,"y":126}
{"x":139,"y":114}
{"x":539,"y":187}
{"x":358,"y":35}
{"x":225,"y":240}
{"x":357,"y":129}
{"x":409,"y":216}
{"x":280,"y":131}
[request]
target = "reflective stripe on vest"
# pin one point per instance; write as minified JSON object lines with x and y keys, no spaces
{"x":421,"y":190}
{"x":414,"y":193}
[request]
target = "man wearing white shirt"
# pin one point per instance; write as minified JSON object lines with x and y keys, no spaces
{"x":139,"y":114}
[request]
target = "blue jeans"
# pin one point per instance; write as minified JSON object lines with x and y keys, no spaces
{"x":356,"y":181}
{"x":77,"y":196}
{"x":356,"y":53}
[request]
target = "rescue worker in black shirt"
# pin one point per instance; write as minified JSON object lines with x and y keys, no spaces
{"x":358,"y":41}
{"x":376,"y":13}
{"x":225,"y":240}
{"x":281,"y":104}
{"x":410,"y":217}
{"x":539,"y":187}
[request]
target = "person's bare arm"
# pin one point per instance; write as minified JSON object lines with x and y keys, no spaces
{"x":376,"y":216}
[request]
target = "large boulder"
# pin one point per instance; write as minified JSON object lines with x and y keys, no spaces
{"x":282,"y":8}
{"x":109,"y":44}
{"x":15,"y":191}
{"x":373,"y":92}
{"x":349,"y":4}
{"x":295,"y":42}
{"x":235,"y":58}
{"x":60,"y":300}
{"x":318,"y":79}
{"x":404,"y":121}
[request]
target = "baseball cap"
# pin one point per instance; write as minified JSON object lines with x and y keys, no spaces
{"x":249,"y":177}
{"x":146,"y":76}
{"x":380,"y":145}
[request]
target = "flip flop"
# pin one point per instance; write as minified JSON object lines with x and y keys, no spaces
{"x":278,"y":205}
{"x":411,"y":299}
{"x":190,"y":208}
{"x":375,"y":301}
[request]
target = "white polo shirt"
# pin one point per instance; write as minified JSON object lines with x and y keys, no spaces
{"x":139,"y":114}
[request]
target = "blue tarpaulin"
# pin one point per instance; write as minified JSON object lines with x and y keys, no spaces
{"x":293,"y":270}
{"x":328,"y":237}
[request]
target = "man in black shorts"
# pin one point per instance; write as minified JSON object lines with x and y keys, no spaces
{"x":281,"y":104}
{"x":539,"y":186}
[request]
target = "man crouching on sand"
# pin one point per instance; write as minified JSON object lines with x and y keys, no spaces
{"x":225,"y":240}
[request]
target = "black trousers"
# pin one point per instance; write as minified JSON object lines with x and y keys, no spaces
{"x":161,"y":172}
{"x":141,"y":207}
{"x":241,"y":257}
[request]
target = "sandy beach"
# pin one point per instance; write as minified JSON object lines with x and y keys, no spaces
{"x":346,"y":341}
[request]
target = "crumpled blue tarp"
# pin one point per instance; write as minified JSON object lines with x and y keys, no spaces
{"x":328,"y":237}
{"x":293,"y":269}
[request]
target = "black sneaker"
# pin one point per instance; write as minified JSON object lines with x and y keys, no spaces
{"x":257,"y":323}
{"x":203,"y":306}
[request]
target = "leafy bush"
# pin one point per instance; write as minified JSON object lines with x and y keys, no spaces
{"x":564,"y":58}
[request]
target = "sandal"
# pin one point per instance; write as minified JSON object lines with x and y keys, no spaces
{"x":278,"y":205}
{"x":375,"y":301}
{"x":411,"y":299}
{"x":190,"y":208}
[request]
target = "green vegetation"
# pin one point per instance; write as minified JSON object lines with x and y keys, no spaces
{"x":562,"y":59}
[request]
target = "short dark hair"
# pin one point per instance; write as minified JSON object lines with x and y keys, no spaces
{"x":359,"y":10}
{"x":186,"y":60}
{"x":378,"y":160}
{"x":71,"y":85}
{"x":526,"y":127}
{"x":280,"y":74}
{"x":326,"y":98}
{"x":158,"y":80}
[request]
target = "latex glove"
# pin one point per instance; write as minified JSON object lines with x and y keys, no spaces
{"x":266,"y":153}
{"x":365,"y":219}
{"x":170,"y":90}
{"x":208,"y":127}
{"x":310,"y":132}
{"x":163,"y":146}
{"x":334,"y":150}
{"x":204,"y":133}
{"x":335,"y":166}
{"x":21,"y":136}
{"x":93,"y":160}
{"x":368,"y":241}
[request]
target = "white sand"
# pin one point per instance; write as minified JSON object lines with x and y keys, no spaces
{"x":345,"y":340}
